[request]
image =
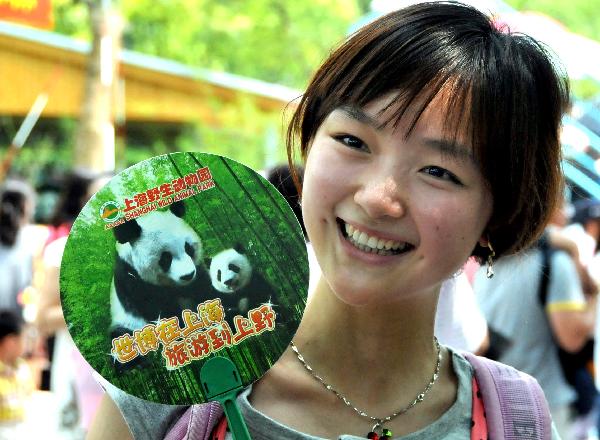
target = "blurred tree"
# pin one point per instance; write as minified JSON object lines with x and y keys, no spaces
{"x":585,"y":88}
{"x":278,"y":41}
{"x":579,"y":16}
{"x":71,"y":17}
{"x":95,"y":136}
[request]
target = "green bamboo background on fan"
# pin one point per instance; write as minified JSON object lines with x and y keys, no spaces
{"x":241,"y":208}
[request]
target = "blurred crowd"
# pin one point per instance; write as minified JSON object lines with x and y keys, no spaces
{"x":540,"y":309}
{"x":41,"y":371}
{"x":537,"y":313}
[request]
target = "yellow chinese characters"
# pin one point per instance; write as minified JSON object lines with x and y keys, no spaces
{"x":203,"y":332}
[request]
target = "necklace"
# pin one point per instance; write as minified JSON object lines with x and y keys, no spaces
{"x":379,"y":421}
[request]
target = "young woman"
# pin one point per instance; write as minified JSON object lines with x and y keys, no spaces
{"x":429,"y":136}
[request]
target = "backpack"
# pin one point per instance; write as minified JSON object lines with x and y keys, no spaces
{"x":514,"y":408}
{"x":574,"y":365}
{"x":199,"y":422}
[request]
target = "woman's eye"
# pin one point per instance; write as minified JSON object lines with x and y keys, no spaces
{"x":351,"y":141}
{"x":441,"y":173}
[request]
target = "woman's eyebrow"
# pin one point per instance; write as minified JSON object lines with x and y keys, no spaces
{"x":446,"y":147}
{"x":359,"y":115}
{"x":451,"y":149}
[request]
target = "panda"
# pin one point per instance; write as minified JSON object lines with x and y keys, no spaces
{"x":230,"y":270}
{"x":158,"y":270}
{"x":237,"y":284}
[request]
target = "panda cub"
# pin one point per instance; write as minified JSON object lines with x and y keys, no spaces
{"x":158,"y":270}
{"x":240,"y":287}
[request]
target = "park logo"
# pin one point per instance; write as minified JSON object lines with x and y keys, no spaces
{"x":110,"y":211}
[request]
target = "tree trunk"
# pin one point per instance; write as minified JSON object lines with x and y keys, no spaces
{"x":95,"y":137}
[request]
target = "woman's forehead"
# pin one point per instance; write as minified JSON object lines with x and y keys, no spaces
{"x":439,"y":115}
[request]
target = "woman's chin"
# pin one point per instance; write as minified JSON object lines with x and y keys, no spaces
{"x":356,"y":294}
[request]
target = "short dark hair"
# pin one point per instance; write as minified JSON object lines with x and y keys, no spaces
{"x":10,"y":323}
{"x":504,"y":85}
{"x":281,"y":177}
{"x":15,"y":195}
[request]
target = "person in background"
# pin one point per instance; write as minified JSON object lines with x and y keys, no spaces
{"x":17,"y":201}
{"x":584,"y":230}
{"x":70,"y":376}
{"x":73,"y":196}
{"x":578,"y":367}
{"x":459,"y":322}
{"x":16,"y":382}
{"x":531,"y":331}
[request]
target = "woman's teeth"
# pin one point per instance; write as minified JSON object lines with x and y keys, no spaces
{"x":371,"y":244}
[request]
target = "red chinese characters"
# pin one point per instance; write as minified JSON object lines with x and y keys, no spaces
{"x":220,"y":336}
{"x":200,"y":176}
{"x":204,"y":174}
{"x":263,"y":318}
{"x":176,"y":356}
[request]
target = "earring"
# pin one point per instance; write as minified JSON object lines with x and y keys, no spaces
{"x":490,"y":261}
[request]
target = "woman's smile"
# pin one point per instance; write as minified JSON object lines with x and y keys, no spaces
{"x":372,"y":242}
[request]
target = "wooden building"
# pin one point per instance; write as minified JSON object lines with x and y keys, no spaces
{"x":155,"y":89}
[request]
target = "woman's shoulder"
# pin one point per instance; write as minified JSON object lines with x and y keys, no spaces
{"x":144,"y":419}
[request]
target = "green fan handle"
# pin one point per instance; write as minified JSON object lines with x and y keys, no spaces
{"x":237,"y":425}
{"x":221,"y":381}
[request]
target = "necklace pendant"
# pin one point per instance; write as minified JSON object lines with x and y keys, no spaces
{"x":386,"y":434}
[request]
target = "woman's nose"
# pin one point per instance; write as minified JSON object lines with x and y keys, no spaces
{"x":380,"y":198}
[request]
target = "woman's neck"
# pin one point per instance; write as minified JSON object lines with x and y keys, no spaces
{"x":370,"y":348}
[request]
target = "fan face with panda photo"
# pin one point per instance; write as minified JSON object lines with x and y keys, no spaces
{"x":186,"y":267}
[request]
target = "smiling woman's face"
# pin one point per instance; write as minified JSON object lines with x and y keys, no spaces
{"x":391,"y":216}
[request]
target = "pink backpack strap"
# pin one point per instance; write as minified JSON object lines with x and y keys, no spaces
{"x":197,"y":423}
{"x":515,"y":406}
{"x":478,"y":422}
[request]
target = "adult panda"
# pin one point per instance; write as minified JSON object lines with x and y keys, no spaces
{"x":158,"y":270}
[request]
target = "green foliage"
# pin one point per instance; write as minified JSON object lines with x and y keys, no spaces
{"x":49,"y":146}
{"x":71,"y":18}
{"x":31,"y":161}
{"x":585,"y":88}
{"x":277,"y":41}
{"x":579,"y":16}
